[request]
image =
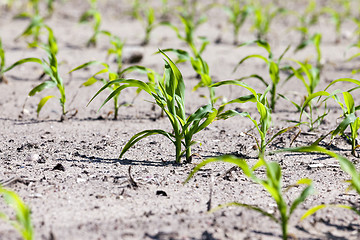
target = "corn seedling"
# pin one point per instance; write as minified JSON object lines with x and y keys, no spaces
{"x":92,"y":15}
{"x":116,"y":49}
{"x":135,"y":9}
{"x":111,"y":77}
{"x":190,"y":24}
{"x":22,"y":223}
{"x":169,"y":95}
{"x":307,"y":19}
{"x":3,"y":79}
{"x":345,"y":164}
{"x":237,"y":12}
{"x":35,"y":27}
{"x":33,"y":9}
{"x":263,"y":108}
{"x":349,"y":114}
{"x":263,"y":17}
{"x":50,"y":68}
{"x":350,"y":120}
{"x":272,"y":184}
{"x":339,"y":16}
{"x":147,"y":17}
{"x":50,"y":7}
{"x":310,"y":78}
{"x":273,"y":65}
{"x":164,"y":8}
{"x":316,"y":41}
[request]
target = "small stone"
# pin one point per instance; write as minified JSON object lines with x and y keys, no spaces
{"x":33,"y":157}
{"x":80,"y":180}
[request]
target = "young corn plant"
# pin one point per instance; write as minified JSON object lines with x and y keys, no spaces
{"x":307,"y":19}
{"x":316,"y":41}
{"x":263,"y":108}
{"x":169,"y":95}
{"x":350,"y":120}
{"x":338,"y":16}
{"x":345,"y":164}
{"x":237,"y":12}
{"x":148,"y":18}
{"x":22,"y":223}
{"x":3,"y":79}
{"x":272,"y":184}
{"x":349,"y":112}
{"x":95,"y":16}
{"x":263,"y":17}
{"x":50,"y":68}
{"x":135,"y":10}
{"x":190,"y":25}
{"x":111,"y":76}
{"x":273,"y":65}
{"x":116,"y":49}
{"x":309,"y":76}
{"x":35,"y":27}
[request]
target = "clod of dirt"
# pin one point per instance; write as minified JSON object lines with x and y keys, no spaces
{"x":59,"y":167}
{"x":133,"y":57}
{"x":161,"y":193}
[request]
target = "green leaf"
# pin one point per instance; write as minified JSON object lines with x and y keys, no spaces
{"x":42,"y":103}
{"x":343,"y":80}
{"x":225,"y":158}
{"x":90,"y":82}
{"x":304,"y":194}
{"x":87,"y":64}
{"x":22,"y":61}
{"x":248,"y":206}
{"x":42,"y":86}
{"x":349,"y":102}
{"x":312,"y":210}
{"x":137,"y":137}
{"x":23,"y":214}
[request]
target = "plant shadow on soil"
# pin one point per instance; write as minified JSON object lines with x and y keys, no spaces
{"x":123,"y":162}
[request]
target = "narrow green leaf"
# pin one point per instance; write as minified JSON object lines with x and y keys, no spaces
{"x":42,"y":86}
{"x":137,"y":137}
{"x":42,"y":103}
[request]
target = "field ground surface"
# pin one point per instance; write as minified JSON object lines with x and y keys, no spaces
{"x":69,"y":173}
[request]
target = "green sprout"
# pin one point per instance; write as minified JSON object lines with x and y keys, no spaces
{"x":190,"y":23}
{"x":92,"y":15}
{"x":316,"y":41}
{"x":116,"y":49}
{"x":50,"y":68}
{"x":339,"y":16}
{"x":35,"y":27}
{"x":272,"y":184}
{"x":263,"y":109}
{"x":23,"y":214}
{"x":307,"y":19}
{"x":135,"y":10}
{"x":237,"y":13}
{"x":147,"y":17}
{"x":263,"y":17}
{"x":349,"y":112}
{"x":274,"y":68}
{"x":3,"y":79}
{"x":310,"y":78}
{"x":169,"y":95}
